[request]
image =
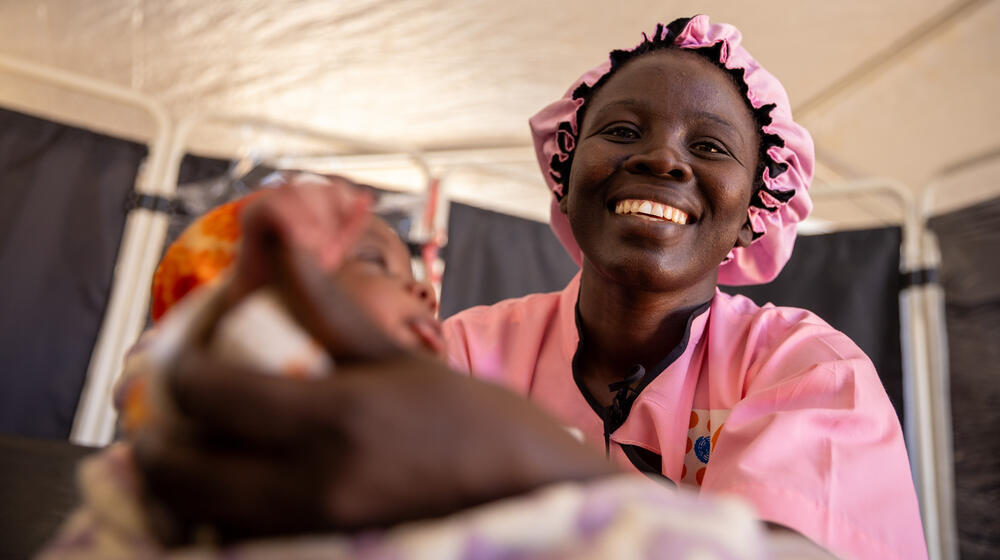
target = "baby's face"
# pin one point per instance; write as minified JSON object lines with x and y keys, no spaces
{"x":377,"y":273}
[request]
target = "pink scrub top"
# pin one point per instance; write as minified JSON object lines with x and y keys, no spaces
{"x":769,"y":403}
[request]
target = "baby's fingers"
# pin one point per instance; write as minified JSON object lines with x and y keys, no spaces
{"x":319,"y":217}
{"x":329,"y":214}
{"x":327,"y":313}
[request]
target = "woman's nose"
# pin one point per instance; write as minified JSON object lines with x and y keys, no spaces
{"x":424,"y":292}
{"x":662,"y":158}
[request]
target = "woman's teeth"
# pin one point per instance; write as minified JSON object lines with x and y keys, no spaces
{"x":651,"y":210}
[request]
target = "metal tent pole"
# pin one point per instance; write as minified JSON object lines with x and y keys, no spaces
{"x":933,"y":301}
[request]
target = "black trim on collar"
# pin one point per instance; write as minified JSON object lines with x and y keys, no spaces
{"x":615,"y":415}
{"x":676,"y":352}
{"x":648,"y":463}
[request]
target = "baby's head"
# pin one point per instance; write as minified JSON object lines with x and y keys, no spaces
{"x":377,"y":273}
{"x":374,"y":270}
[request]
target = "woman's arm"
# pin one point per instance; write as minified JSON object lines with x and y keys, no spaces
{"x":378,"y":444}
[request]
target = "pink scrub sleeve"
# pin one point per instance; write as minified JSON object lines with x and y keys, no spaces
{"x":505,"y":343}
{"x":815,"y":445}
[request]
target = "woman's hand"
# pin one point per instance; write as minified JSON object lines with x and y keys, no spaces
{"x":377,"y":444}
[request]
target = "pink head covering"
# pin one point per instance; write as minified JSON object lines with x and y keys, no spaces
{"x":781,"y":203}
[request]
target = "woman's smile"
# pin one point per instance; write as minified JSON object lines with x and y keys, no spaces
{"x":651,"y":210}
{"x":642,"y":221}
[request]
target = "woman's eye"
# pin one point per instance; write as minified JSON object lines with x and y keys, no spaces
{"x":710,"y":147}
{"x":622,"y":132}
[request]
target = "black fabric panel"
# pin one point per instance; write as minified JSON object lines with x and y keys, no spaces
{"x":492,"y":257}
{"x":193,"y":169}
{"x":198,"y":168}
{"x":851,"y":279}
{"x":63,"y":198}
{"x":38,"y":492}
{"x":62,"y":211}
{"x":969,"y":271}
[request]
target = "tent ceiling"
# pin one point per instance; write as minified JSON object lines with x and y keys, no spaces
{"x":447,"y":75}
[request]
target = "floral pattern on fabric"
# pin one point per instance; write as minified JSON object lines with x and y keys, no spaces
{"x":703,"y":433}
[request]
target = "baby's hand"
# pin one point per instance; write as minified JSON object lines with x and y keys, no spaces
{"x":320,"y":217}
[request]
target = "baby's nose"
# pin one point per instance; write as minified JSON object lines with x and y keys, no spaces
{"x":424,"y":292}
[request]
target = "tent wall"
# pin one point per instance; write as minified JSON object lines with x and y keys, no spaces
{"x":64,"y":198}
{"x":63,"y":193}
{"x":491,"y":256}
{"x":968,"y":239}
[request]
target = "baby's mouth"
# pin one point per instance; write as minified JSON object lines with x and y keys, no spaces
{"x":650,"y":210}
{"x":428,"y":332}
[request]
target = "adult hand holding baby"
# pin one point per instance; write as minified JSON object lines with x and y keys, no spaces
{"x":392,"y":436}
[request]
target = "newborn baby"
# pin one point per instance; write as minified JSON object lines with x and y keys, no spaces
{"x":207,"y":291}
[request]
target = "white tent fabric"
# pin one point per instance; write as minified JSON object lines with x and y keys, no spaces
{"x":897,"y":88}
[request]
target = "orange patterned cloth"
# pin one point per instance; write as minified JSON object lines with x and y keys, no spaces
{"x":199,"y":256}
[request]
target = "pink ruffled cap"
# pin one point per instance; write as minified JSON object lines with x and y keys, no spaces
{"x":764,"y":258}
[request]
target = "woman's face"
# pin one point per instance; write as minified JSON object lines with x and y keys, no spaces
{"x":662,"y":174}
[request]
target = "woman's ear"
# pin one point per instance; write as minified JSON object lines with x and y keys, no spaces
{"x":745,"y":236}
{"x":564,"y":201}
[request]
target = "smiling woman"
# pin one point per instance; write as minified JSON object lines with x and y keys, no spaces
{"x":676,"y":166}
